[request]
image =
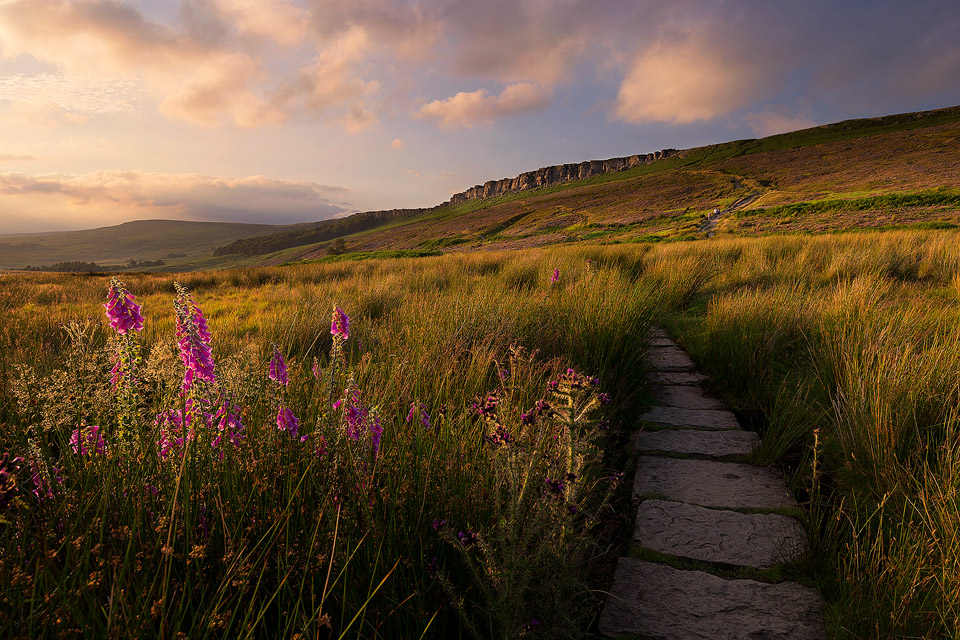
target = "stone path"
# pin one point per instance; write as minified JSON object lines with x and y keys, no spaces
{"x":698,"y":503}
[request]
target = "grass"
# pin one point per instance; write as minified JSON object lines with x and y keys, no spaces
{"x":853,"y":338}
{"x":842,"y":349}
{"x":281,"y":538}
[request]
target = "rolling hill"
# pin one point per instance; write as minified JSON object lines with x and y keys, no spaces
{"x":892,"y":171}
{"x":170,"y":241}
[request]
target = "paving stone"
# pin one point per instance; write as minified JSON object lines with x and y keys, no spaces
{"x":702,"y":418}
{"x":691,"y":441}
{"x":669,"y":359}
{"x":677,"y":377}
{"x":658,"y":332}
{"x":731,"y":485}
{"x":685,"y":397}
{"x":662,"y":341}
{"x":659,"y":602}
{"x":759,"y":540}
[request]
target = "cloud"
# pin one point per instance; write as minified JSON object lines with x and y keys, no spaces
{"x":109,"y":197}
{"x":16,"y":157}
{"x":47,"y":99}
{"x":681,"y":82}
{"x":772,"y":122}
{"x":398,"y":144}
{"x":480,"y":108}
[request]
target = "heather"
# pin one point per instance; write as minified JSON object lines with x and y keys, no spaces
{"x":405,"y":448}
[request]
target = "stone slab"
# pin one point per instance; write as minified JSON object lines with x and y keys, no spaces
{"x":661,"y":341}
{"x":677,"y":377}
{"x":659,"y":602}
{"x":701,"y":418}
{"x":731,"y":485}
{"x":759,"y":540}
{"x":685,"y":397}
{"x":669,"y":359}
{"x":706,"y":443}
{"x":658,"y":332}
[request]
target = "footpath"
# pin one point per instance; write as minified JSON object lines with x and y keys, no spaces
{"x":701,"y":508}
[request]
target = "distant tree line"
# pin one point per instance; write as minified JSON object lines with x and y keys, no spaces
{"x":317,"y":232}
{"x":93,"y":267}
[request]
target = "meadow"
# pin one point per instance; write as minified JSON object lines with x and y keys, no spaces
{"x":442,"y":472}
{"x":461,"y":472}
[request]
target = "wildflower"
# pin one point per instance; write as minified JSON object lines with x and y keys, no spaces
{"x":8,"y":480}
{"x":170,"y":425}
{"x":433,"y":566}
{"x":555,"y":278}
{"x":228,"y":422}
{"x":488,"y":407}
{"x":499,"y":436}
{"x":439,"y":524}
{"x":89,"y":440}
{"x":316,"y":370}
{"x":467,"y":538}
{"x":340,"y":324}
{"x":531,"y":626}
{"x":418,"y":408}
{"x":557,"y":487}
{"x":193,"y":340}
{"x":539,"y":409}
{"x":278,"y":368}
{"x":376,"y":432}
{"x":122,"y":311}
{"x":287,"y":421}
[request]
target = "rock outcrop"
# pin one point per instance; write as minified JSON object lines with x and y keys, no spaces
{"x":556,"y":174}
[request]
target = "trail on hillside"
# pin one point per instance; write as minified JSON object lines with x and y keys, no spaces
{"x":709,"y":225}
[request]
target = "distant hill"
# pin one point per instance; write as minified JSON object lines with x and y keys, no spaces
{"x":171,"y":241}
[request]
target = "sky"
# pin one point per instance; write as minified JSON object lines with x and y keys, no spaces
{"x":284,"y":111}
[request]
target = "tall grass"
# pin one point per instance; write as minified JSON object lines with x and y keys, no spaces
{"x":857,"y":339}
{"x":432,"y":537}
{"x":844,"y":350}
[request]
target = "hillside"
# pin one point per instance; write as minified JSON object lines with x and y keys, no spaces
{"x":893,"y":171}
{"x":171,"y":241}
{"x":884,"y":172}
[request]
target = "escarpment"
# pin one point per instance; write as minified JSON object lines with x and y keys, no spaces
{"x":546,"y":176}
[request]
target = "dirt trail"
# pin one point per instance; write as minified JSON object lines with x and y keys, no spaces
{"x":710,"y":223}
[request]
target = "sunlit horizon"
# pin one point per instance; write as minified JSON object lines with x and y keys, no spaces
{"x":286,"y":111}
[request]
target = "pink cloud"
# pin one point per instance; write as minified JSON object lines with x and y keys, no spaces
{"x":480,"y":108}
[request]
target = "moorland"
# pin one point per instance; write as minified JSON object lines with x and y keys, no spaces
{"x":453,"y":465}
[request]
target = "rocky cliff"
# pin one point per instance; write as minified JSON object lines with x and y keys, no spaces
{"x":556,"y":174}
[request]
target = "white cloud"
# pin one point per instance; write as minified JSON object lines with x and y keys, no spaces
{"x":469,"y":109}
{"x":398,"y":144}
{"x":81,"y":93}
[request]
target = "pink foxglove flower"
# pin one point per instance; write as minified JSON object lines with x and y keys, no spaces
{"x":122,"y":311}
{"x":288,"y":422}
{"x":88,"y":441}
{"x":278,"y":368}
{"x":340,"y":324}
{"x":555,"y":278}
{"x":193,"y":340}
